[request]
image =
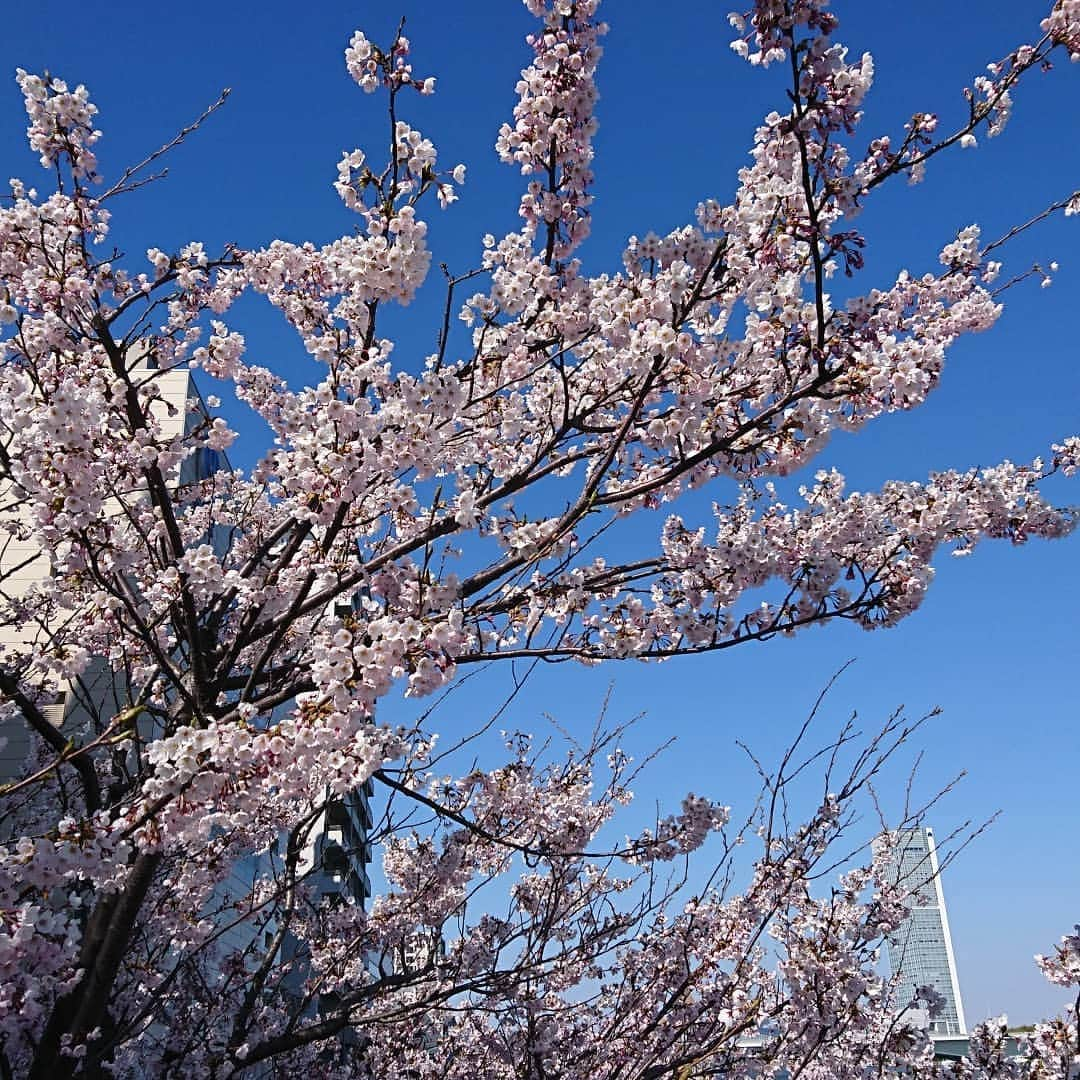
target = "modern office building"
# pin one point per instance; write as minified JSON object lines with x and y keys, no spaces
{"x":921,"y":952}
{"x":78,"y":707}
{"x":339,"y":851}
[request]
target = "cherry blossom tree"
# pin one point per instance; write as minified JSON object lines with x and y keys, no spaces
{"x":408,"y":525}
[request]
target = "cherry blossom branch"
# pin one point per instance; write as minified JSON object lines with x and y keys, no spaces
{"x":123,"y":184}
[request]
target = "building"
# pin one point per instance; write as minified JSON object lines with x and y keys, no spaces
{"x":80,"y":707}
{"x":338,"y":851}
{"x":920,"y":951}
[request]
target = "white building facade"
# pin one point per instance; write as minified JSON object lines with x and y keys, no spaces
{"x":338,"y":851}
{"x":79,"y":706}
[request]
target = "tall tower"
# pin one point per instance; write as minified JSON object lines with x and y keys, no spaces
{"x":920,"y":951}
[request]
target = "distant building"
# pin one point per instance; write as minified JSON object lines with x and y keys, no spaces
{"x":921,"y":952}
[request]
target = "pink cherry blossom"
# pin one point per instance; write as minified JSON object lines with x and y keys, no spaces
{"x":197,"y":657}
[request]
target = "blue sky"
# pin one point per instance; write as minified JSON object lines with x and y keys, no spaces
{"x":996,"y":641}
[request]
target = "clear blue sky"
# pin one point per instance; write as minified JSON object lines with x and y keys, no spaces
{"x":995,"y":644}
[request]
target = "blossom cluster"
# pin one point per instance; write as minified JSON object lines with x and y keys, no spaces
{"x":554,"y":122}
{"x":61,"y":123}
